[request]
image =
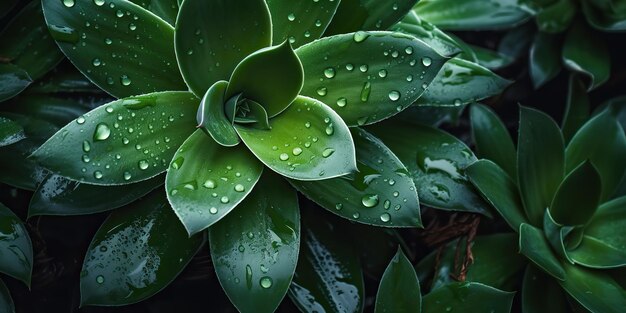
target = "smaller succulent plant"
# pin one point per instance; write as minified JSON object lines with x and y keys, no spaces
{"x":561,"y":200}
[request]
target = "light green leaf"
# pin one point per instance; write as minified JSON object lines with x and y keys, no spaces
{"x":468,"y":297}
{"x":139,"y":46}
{"x":399,"y":289}
{"x":545,"y":58}
{"x":588,"y":54}
{"x":541,"y":293}
{"x":137,"y":252}
{"x":16,"y":250}
{"x":436,"y":161}
{"x":206,"y":181}
{"x":123,"y":142}
{"x":577,"y":107}
{"x":412,"y":25}
{"x":595,"y":290}
{"x":212,"y":118}
{"x":492,"y":139}
{"x":255,"y":248}
{"x":381,"y":193}
{"x":212,"y":37}
{"x":364,"y":88}
{"x":534,"y":245}
{"x":308,"y":141}
{"x":13,"y":80}
{"x":165,"y":9}
{"x":300,"y":22}
{"x":462,"y":82}
{"x":557,"y":16}
{"x":273,"y":77}
{"x":578,"y":196}
{"x":540,"y":161}
{"x":354,"y":15}
{"x":10,"y":132}
{"x":6,"y":302}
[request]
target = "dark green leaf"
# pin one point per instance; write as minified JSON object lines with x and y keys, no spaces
{"x":588,"y":54}
{"x":139,"y":55}
{"x":381,"y":193}
{"x":577,"y":107}
{"x":212,"y":118}
{"x":328,"y":277}
{"x":605,"y":15}
{"x":364,"y":88}
{"x":491,"y":59}
{"x":595,"y":290}
{"x":6,"y":302}
{"x":461,"y":82}
{"x":578,"y":196}
{"x":16,"y":250}
{"x":57,"y":110}
{"x":556,"y":233}
{"x":468,"y":297}
{"x":308,"y":141}
{"x":541,"y":293}
{"x":300,"y":22}
{"x":601,"y":140}
{"x":540,"y":161}
{"x":165,"y":9}
{"x":10,"y":132}
{"x":432,"y":115}
{"x":556,"y":17}
{"x":435,"y":160}
{"x":442,"y":43}
{"x":136,"y":253}
{"x":257,"y":114}
{"x":273,"y":77}
{"x":353,"y":15}
{"x":125,"y":141}
{"x":255,"y":248}
{"x":60,"y":196}
{"x":212,"y":37}
{"x":399,"y":289}
{"x":472,"y":14}
{"x":492,"y":139}
{"x":6,"y":7}
{"x":64,"y":79}
{"x":13,"y":80}
{"x":499,"y":190}
{"x":516,"y":42}
{"x":206,"y":181}
{"x":534,"y":245}
{"x":545,"y":58}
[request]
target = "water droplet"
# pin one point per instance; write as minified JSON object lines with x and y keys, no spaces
{"x":291,"y":17}
{"x":68,"y":3}
{"x":100,"y":279}
{"x":338,"y":206}
{"x":80,"y":120}
{"x":394,"y":95}
{"x":369,"y":200}
{"x":132,"y":26}
{"x":86,"y":146}
{"x":127,"y":176}
{"x":108,"y":41}
{"x":408,"y":50}
{"x":178,"y":163}
{"x":213,"y":210}
{"x":98,"y":2}
{"x":330,"y":129}
{"x":363,"y":68}
{"x":96,"y":62}
{"x":386,"y":204}
{"x":341,"y":102}
{"x":125,"y":80}
{"x":86,"y":158}
{"x":329,"y":72}
{"x":210,"y":184}
{"x":248,"y":276}
{"x":328,"y":152}
{"x":457,"y":102}
{"x":224,"y":199}
{"x":102,"y":132}
{"x":119,"y":13}
{"x":97,"y":174}
{"x":296,"y":151}
{"x":143,"y":164}
{"x":63,"y":33}
{"x":426,"y":61}
{"x":240,"y":188}
{"x":283,"y":157}
{"x":356,"y":215}
{"x":385,"y":217}
{"x":409,"y":78}
{"x":266,"y":282}
{"x":382,"y":73}
{"x":360,"y":36}
{"x":365,"y":92}
{"x":349,"y":67}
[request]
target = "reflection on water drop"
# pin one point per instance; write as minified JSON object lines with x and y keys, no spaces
{"x":265,"y":282}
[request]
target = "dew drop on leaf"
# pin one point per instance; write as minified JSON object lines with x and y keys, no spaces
{"x":102,"y":132}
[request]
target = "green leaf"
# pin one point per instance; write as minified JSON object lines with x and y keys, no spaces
{"x":125,"y":141}
{"x":441,"y":42}
{"x":604,"y":16}
{"x":7,"y":6}
{"x":491,"y":59}
{"x":534,"y":245}
{"x":577,"y":107}
{"x":492,"y":139}
{"x":255,"y":248}
{"x":435,"y":160}
{"x":462,"y":82}
{"x":545,"y":58}
{"x":30,"y":46}
{"x":472,"y":14}
{"x":57,"y":110}
{"x":603,"y":244}
{"x":517,"y":41}
{"x":10,"y":132}
{"x":595,"y":290}
{"x":212,"y":37}
{"x":468,"y":297}
{"x":354,"y":15}
{"x":556,"y":17}
{"x":165,"y":9}
{"x":540,"y":161}
{"x":556,"y":235}
{"x":499,"y":190}
{"x":328,"y":277}
{"x":381,"y":193}
{"x":399,"y":289}
{"x":300,"y":22}
{"x":212,"y":117}
{"x":308,"y":141}
{"x":432,"y":115}
{"x":257,"y":114}
{"x":364,"y":88}
{"x":137,"y":252}
{"x":588,"y":54}
{"x":6,"y":302}
{"x":578,"y":196}
{"x":139,"y":46}
{"x":601,"y":140}
{"x":541,"y":293}
{"x":206,"y":181}
{"x":13,"y":81}
{"x":56,"y":195}
{"x":272,"y":77}
{"x":16,"y":250}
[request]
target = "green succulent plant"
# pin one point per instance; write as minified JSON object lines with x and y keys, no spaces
{"x":561,"y":200}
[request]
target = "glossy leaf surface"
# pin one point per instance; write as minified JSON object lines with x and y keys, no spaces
{"x":123,"y":142}
{"x":300,"y":22}
{"x":588,"y":54}
{"x":212,"y":117}
{"x":13,"y":81}
{"x":205,"y":181}
{"x":140,"y":55}
{"x":492,"y":139}
{"x":16,"y":251}
{"x":364,"y":88}
{"x":468,"y":296}
{"x":354,"y":15}
{"x":308,"y":141}
{"x":594,"y":290}
{"x":578,"y":196}
{"x":534,"y":245}
{"x":6,"y":302}
{"x":577,"y":107}
{"x":206,"y":55}
{"x":381,"y":192}
{"x":491,"y":59}
{"x":556,"y":16}
{"x":545,"y":58}
{"x":165,"y":9}
{"x":399,"y":289}
{"x":10,"y":132}
{"x":440,"y":41}
{"x":541,"y":293}
{"x":255,"y":248}
{"x":472,"y":14}
{"x":136,"y":252}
